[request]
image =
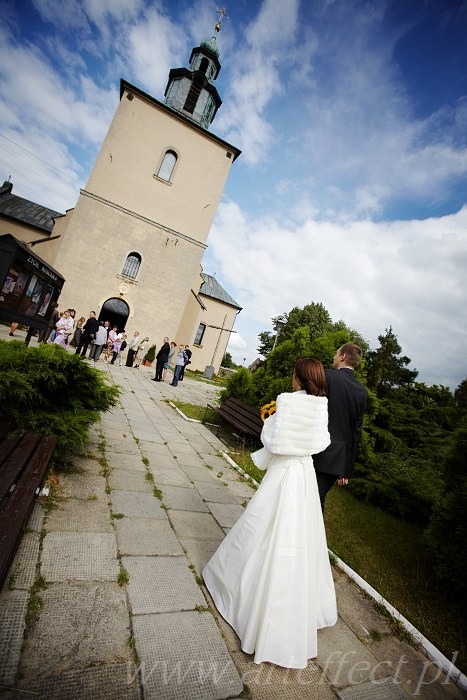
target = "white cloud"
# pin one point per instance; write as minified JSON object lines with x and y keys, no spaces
{"x":408,"y":274}
{"x":154,"y":47}
{"x":256,"y":79}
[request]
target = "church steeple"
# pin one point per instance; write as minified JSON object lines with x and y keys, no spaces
{"x":190,"y":90}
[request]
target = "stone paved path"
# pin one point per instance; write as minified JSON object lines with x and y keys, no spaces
{"x":147,"y":503}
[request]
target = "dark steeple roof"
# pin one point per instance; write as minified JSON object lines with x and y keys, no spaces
{"x":24,"y":211}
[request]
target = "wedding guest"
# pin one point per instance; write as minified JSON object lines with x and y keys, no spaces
{"x":140,"y":353}
{"x":118,"y":347}
{"x":168,"y":364}
{"x":108,"y":350}
{"x":132,"y":349}
{"x":88,"y":334}
{"x":161,"y":359}
{"x":179,"y":364}
{"x":74,"y":342}
{"x":53,"y":320}
{"x":271,"y":578}
{"x":347,"y":399}
{"x":63,"y":327}
{"x":188,"y":354}
{"x":98,"y":343}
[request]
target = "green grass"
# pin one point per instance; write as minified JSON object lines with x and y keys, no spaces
{"x":391,"y":555}
{"x":191,"y":410}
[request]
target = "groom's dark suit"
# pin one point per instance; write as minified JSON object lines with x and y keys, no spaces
{"x":347,"y":399}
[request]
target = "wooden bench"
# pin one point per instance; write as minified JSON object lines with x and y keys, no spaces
{"x":23,"y":462}
{"x":246,"y":419}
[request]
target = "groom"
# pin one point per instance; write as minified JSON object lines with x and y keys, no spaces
{"x":347,"y":399}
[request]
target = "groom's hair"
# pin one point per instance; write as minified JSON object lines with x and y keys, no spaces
{"x":310,"y":375}
{"x":353,"y":354}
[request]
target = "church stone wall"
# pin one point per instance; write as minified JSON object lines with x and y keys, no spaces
{"x":139,"y":135}
{"x":94,"y":248}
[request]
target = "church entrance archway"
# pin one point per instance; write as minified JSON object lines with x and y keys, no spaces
{"x":116,"y":311}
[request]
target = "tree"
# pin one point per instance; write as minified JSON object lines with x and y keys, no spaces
{"x":447,"y":532}
{"x":227,"y":360}
{"x":460,"y":395}
{"x":266,"y":343}
{"x":314,"y":316}
{"x":386,"y":369}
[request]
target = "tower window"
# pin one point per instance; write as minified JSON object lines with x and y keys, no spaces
{"x":199,"y":334}
{"x":132,"y":265}
{"x":204,"y":65}
{"x":167,"y":166}
{"x":193,"y":94}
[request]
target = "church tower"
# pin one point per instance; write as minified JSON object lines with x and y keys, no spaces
{"x":132,"y":247}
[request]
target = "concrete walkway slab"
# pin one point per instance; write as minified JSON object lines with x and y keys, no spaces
{"x":161,"y":584}
{"x":226,"y":514}
{"x":174,"y":477}
{"x":23,"y":569}
{"x":80,"y":556}
{"x":80,"y":625}
{"x":81,"y":486}
{"x":184,"y":658}
{"x":104,"y":682}
{"x":143,"y":536}
{"x":196,"y":474}
{"x":120,"y":460}
{"x":12,"y":614}
{"x":136,"y":504}
{"x":215,"y":492}
{"x":78,"y":515}
{"x":200,"y":526}
{"x":128,"y":480}
{"x":181,"y":498}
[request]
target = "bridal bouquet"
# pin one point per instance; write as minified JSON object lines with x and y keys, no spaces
{"x":267,"y":410}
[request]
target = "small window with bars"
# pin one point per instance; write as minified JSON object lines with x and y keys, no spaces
{"x":132,"y":265}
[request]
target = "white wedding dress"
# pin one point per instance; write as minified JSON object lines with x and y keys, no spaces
{"x":271,"y":578}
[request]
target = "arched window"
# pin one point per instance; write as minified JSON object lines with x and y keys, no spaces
{"x":131,"y":266}
{"x":167,"y":166}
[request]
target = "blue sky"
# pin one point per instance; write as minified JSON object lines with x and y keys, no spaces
{"x":351,"y":115}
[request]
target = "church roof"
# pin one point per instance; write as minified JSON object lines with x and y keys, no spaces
{"x":25,"y":211}
{"x":211,"y":288}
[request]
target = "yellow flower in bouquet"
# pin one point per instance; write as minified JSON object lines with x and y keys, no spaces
{"x":267,"y":410}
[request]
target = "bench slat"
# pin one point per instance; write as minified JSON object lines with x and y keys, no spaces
{"x":16,"y":508}
{"x":17,"y":456}
{"x":245,"y":418}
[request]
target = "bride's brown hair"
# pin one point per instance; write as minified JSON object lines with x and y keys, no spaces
{"x":310,"y":375}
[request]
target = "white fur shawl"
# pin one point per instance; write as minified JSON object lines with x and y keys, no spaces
{"x":298,"y":428}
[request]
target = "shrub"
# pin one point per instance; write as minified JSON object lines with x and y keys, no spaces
{"x":240,"y":386}
{"x":47,"y":390}
{"x":150,"y":356}
{"x":447,"y":531}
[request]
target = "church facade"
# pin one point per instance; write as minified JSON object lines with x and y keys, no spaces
{"x":132,"y":247}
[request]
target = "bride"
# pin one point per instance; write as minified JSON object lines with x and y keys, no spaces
{"x":271,"y":578}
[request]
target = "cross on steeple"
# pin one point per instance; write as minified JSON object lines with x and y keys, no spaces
{"x":222,"y":12}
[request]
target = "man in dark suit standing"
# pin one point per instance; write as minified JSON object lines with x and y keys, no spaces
{"x":347,"y":399}
{"x":161,"y":358}
{"x":88,"y":334}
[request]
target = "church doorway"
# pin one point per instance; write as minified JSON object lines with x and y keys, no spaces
{"x":116,"y":311}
